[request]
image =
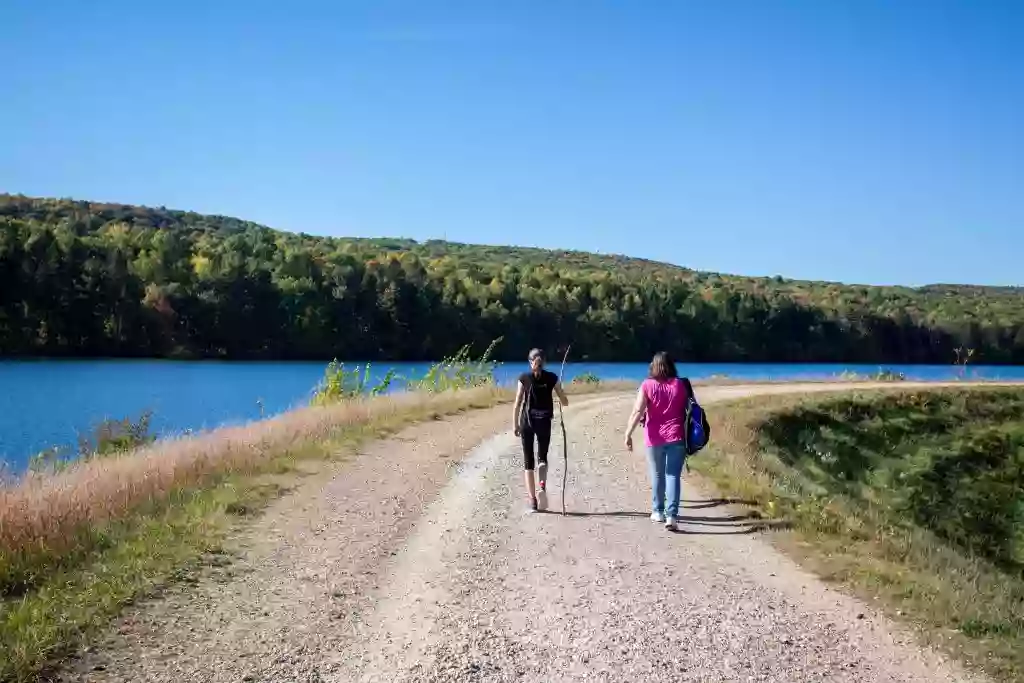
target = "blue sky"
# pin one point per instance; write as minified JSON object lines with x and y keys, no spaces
{"x":864,"y":141}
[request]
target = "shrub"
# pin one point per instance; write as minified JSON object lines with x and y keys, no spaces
{"x":106,"y":438}
{"x":339,"y":384}
{"x":886,"y":375}
{"x":451,"y":373}
{"x":116,"y":436}
{"x":458,"y":372}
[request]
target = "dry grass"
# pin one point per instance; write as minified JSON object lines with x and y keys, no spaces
{"x":78,"y":544}
{"x":906,"y":570}
{"x":41,"y":515}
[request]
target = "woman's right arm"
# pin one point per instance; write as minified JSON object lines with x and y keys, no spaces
{"x":516,"y":407}
{"x":639,"y":406}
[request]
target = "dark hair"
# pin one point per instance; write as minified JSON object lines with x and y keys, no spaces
{"x":662,"y":367}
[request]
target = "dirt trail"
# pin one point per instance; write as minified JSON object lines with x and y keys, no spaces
{"x":418,"y":564}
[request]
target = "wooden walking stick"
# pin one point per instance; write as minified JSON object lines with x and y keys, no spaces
{"x":565,"y":440}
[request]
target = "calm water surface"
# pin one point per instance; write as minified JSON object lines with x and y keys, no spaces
{"x":47,"y":403}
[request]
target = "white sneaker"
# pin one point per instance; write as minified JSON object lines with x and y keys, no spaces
{"x":542,"y":499}
{"x":670,"y":523}
{"x":657,"y":517}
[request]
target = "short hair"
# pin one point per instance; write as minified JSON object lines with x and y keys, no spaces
{"x":535,"y":353}
{"x":662,"y":367}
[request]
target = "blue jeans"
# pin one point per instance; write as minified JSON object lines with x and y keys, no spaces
{"x":665,"y":465}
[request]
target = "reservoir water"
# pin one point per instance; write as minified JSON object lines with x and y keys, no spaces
{"x":45,"y":403}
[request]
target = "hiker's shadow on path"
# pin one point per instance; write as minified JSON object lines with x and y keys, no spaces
{"x":711,"y":526}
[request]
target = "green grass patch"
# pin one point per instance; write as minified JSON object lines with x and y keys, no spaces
{"x":140,"y":554}
{"x":912,"y":497}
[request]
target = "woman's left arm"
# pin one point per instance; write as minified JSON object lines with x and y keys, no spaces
{"x":562,"y":398}
{"x":638,"y":409}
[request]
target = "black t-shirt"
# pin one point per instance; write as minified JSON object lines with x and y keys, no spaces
{"x":538,"y":392}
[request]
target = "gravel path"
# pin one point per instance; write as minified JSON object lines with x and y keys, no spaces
{"x":418,"y":564}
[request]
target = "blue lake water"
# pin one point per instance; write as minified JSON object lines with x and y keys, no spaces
{"x":47,"y":403}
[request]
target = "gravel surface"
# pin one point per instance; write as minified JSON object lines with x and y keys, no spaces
{"x":420,"y":562}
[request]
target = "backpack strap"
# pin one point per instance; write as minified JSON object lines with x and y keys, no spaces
{"x":689,"y":389}
{"x":526,"y":379}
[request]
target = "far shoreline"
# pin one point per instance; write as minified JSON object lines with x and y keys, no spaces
{"x":506,"y":361}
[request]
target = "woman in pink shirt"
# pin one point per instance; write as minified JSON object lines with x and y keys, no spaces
{"x":663,"y":397}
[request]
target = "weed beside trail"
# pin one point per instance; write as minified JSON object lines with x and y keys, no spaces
{"x":912,"y":497}
{"x":883,"y":375}
{"x":452,"y":373}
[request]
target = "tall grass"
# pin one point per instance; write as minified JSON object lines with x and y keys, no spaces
{"x":455,"y":372}
{"x":883,"y":375}
{"x":76,"y":543}
{"x":459,"y":372}
{"x":46,"y":519}
{"x":586,"y":378}
{"x":911,"y":497}
{"x":339,"y":384}
{"x":107,"y":437}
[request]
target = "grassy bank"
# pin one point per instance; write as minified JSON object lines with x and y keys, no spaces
{"x":912,"y":498}
{"x":78,"y":544}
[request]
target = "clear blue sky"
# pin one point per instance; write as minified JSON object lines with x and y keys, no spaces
{"x":872,"y":141}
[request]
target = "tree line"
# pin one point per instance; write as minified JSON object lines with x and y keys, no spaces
{"x":87,"y":280}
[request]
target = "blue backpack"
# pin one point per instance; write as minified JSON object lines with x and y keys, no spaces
{"x":697,"y":431}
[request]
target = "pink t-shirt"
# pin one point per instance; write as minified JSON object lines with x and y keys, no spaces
{"x":666,"y":409}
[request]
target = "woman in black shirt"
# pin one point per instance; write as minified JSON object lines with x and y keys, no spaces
{"x":533,"y":413}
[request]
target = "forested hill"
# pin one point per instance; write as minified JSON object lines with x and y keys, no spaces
{"x":90,"y":279}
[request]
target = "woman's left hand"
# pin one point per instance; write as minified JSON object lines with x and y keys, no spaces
{"x":629,"y":443}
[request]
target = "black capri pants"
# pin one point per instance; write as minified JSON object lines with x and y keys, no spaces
{"x":541,"y":428}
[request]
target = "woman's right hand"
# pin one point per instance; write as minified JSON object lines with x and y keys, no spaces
{"x":629,"y":443}
{"x":515,"y":429}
